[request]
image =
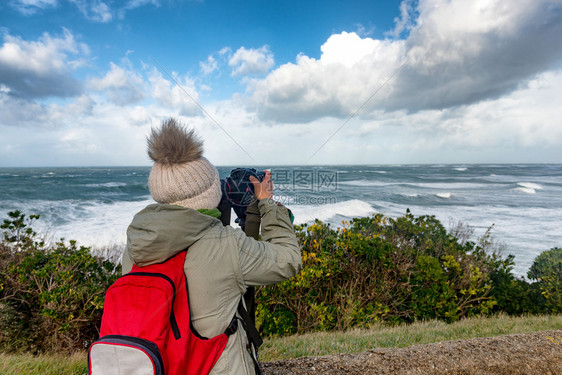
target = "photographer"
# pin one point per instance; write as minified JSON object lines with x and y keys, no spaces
{"x":221,"y":262}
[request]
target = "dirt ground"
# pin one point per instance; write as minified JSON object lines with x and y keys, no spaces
{"x":529,"y":353}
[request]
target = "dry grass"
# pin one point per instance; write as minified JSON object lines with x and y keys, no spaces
{"x":355,"y":341}
{"x":323,"y":343}
{"x":56,"y":364}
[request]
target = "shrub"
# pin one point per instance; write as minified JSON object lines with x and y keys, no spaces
{"x":546,"y":270}
{"x":379,"y":269}
{"x":51,"y":297}
{"x":513,"y":295}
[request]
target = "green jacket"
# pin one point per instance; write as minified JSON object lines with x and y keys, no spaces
{"x":220,"y":264}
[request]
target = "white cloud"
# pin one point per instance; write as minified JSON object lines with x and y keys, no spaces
{"x":348,"y":49}
{"x":225,"y":51}
{"x":463,"y":52}
{"x":123,"y":87}
{"x":335,"y":85}
{"x":251,"y":61}
{"x":94,"y":10}
{"x":209,"y":66}
{"x":29,"y":7}
{"x":134,"y":4}
{"x":479,"y":86}
{"x":80,"y":131}
{"x":528,"y":117}
{"x":18,"y":112}
{"x":406,"y":21}
{"x":181,"y":97}
{"x":215,"y":61}
{"x":520,"y":127}
{"x":41,"y":68}
{"x":457,"y":52}
{"x":244,"y":62}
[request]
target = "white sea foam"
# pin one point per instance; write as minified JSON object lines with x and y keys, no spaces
{"x":449,"y":185}
{"x":412,"y":195}
{"x":89,"y":223}
{"x":105,"y":224}
{"x":328,"y":212}
{"x":108,"y":184}
{"x":363,"y":183}
{"x":530,"y":185}
{"x":526,"y":190}
{"x":524,"y":232}
{"x":461,"y":169}
{"x":444,"y":195}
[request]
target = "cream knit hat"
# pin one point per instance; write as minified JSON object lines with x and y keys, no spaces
{"x":181,"y":175}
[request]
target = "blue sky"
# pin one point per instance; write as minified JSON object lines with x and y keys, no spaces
{"x":282,"y":82}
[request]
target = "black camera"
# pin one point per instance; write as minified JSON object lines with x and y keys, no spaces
{"x":238,"y":191}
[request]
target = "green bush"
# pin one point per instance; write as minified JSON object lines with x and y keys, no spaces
{"x":513,"y":295}
{"x":379,"y":269}
{"x":51,"y":297}
{"x":547,"y":271}
{"x":516,"y":296}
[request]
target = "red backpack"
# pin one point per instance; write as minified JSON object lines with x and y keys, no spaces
{"x":146,"y":326}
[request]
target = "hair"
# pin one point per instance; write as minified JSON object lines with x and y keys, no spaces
{"x":174,"y":144}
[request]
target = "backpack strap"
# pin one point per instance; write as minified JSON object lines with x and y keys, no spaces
{"x":252,"y":333}
{"x":232,"y":327}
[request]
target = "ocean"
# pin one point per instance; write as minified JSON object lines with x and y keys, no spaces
{"x":523,"y":202}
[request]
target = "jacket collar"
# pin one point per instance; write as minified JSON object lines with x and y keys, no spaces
{"x":160,"y":231}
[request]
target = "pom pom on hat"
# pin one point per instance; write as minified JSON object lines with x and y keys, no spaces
{"x":180,"y":174}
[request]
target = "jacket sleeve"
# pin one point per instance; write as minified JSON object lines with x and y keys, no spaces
{"x":277,"y":256}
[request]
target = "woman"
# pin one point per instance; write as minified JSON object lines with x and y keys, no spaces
{"x":221,"y":261}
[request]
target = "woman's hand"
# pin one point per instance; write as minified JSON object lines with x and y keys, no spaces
{"x":263,"y":189}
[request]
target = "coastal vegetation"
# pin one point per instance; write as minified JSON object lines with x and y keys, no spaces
{"x":373,"y":273}
{"x":383,"y":270}
{"x":51,"y":295}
